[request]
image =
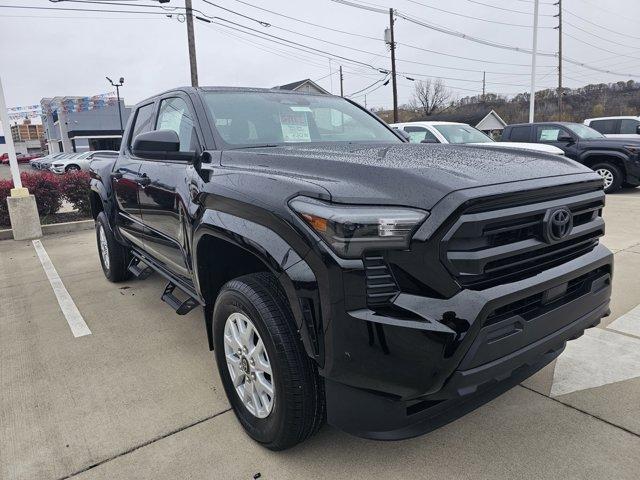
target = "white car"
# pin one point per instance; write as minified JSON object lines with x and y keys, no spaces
{"x":616,"y":127}
{"x":77,"y":162}
{"x":461,"y":133}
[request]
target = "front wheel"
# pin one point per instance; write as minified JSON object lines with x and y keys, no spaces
{"x":611,"y":175}
{"x":114,"y":257}
{"x":273,"y":386}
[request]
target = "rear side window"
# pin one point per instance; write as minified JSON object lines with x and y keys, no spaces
{"x":417,"y":134}
{"x":604,"y":126}
{"x":520,"y":134}
{"x":628,"y":126}
{"x":142,"y":123}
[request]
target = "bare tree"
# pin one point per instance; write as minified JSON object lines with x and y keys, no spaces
{"x":430,"y":96}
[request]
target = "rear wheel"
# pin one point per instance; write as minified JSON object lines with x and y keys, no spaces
{"x":611,"y":175}
{"x":273,"y":386}
{"x":114,"y":257}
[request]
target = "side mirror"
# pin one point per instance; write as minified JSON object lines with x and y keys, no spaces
{"x":563,"y":137}
{"x":429,"y":140}
{"x":160,"y":145}
{"x":638,"y":129}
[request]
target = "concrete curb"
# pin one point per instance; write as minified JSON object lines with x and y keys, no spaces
{"x":66,"y":227}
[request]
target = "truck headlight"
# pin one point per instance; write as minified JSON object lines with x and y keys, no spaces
{"x":351,"y":229}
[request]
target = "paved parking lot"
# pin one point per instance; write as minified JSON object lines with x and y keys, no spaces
{"x":139,"y":397}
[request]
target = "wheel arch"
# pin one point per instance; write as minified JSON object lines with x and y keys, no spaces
{"x":241,"y":247}
{"x":616,"y":158}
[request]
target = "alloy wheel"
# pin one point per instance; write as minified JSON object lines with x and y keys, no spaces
{"x":104,"y":246}
{"x":249,"y":365}
{"x":607,"y":176}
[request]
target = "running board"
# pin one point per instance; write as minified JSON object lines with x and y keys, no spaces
{"x":137,"y":271}
{"x":182,"y":307}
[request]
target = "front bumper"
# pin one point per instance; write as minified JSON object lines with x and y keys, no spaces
{"x":405,"y":371}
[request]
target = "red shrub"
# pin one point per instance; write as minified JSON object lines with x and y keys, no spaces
{"x":75,"y":187}
{"x":5,"y":191}
{"x":44,"y":186}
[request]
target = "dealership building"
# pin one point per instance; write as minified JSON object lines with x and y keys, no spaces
{"x":71,"y":124}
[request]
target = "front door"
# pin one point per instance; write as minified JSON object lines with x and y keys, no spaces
{"x":125,"y":180}
{"x":164,"y":196}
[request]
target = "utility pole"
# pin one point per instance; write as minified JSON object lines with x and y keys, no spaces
{"x":559,"y":27}
{"x":192,"y":43}
{"x":341,"y":82}
{"x":532,"y":100}
{"x":390,"y":40}
{"x":484,"y":82}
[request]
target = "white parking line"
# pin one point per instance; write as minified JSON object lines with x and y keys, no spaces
{"x":77,"y":324}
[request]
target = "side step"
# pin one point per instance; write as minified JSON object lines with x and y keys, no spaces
{"x":137,"y":271}
{"x":182,"y":307}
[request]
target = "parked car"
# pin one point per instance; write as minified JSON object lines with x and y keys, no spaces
{"x":80,"y":161}
{"x":461,"y":133}
{"x":45,"y":163}
{"x":616,"y":160}
{"x":21,"y":157}
{"x":391,"y":287}
{"x":35,"y":162}
{"x":616,"y":127}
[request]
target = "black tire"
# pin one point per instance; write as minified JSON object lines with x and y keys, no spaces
{"x":118,"y":255}
{"x":616,"y":175}
{"x":72,"y":168}
{"x":298,"y":404}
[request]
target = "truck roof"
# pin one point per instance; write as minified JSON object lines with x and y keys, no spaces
{"x":188,"y":89}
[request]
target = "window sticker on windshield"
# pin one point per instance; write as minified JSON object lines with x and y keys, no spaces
{"x":295,"y":127}
{"x":301,"y":109}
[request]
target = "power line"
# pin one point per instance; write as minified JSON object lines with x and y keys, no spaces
{"x":484,"y":41}
{"x":511,"y":24}
{"x":595,"y":35}
{"x":507,"y":9}
{"x":378,"y":40}
{"x":600,"y":26}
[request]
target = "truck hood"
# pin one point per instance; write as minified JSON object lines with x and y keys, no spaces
{"x":399,"y":174}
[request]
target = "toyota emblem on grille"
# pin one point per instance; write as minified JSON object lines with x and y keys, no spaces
{"x":558,"y":223}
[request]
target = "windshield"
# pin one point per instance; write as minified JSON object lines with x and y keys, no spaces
{"x":583,"y":132}
{"x":258,"y":118}
{"x":462,"y":134}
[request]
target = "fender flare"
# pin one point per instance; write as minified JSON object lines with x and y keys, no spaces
{"x":605,"y":153}
{"x":99,"y":188}
{"x":294,"y":274}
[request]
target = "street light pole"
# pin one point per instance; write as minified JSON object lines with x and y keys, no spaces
{"x":532,"y":100}
{"x":118,"y":85}
{"x":11,"y":150}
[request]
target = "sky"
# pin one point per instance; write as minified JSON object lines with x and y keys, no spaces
{"x":46,"y":53}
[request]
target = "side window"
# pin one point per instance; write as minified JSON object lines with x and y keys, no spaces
{"x":417,"y":134}
{"x":549,"y":133}
{"x":174,"y":115}
{"x":520,"y":134}
{"x":142,"y":122}
{"x":604,"y":126}
{"x":628,"y":126}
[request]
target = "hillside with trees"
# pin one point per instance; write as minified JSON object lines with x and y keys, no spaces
{"x":595,"y":100}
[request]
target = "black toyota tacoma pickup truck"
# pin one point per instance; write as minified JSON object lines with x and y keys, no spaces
{"x":344,"y":274}
{"x":616,"y":160}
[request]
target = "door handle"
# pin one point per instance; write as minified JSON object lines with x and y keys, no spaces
{"x":143,"y":180}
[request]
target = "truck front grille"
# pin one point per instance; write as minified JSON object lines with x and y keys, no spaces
{"x":507,"y":243}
